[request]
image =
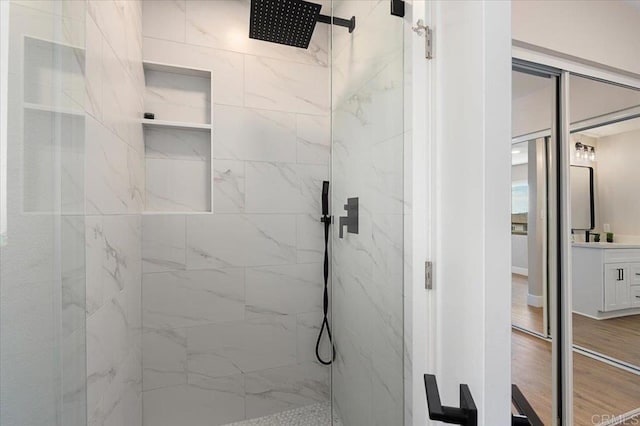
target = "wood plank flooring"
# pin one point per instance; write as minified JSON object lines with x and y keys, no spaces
{"x":617,"y":337}
{"x":599,"y":389}
{"x":522,"y":314}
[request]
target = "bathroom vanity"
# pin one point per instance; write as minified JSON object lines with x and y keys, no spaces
{"x":606,"y":279}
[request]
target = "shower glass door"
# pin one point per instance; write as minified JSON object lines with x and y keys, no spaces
{"x":42,"y":262}
{"x":367,"y":164}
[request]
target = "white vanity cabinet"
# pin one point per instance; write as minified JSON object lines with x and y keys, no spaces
{"x":606,"y":279}
{"x":616,"y":287}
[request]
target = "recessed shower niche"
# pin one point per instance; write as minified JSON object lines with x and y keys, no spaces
{"x":177,"y":140}
{"x":53,"y":126}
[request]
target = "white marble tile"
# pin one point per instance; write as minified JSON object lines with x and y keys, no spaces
{"x":313,"y":139}
{"x":29,"y":396}
{"x":163,"y":243}
{"x":310,"y":238}
{"x":284,"y":86}
{"x":94,"y":254}
{"x":111,"y":185}
{"x":177,"y":144}
{"x":227,"y":67}
{"x":351,"y":382}
{"x":272,"y":188}
{"x":215,"y":241}
{"x":284,"y":188}
{"x":41,"y":162}
{"x":120,"y":23}
{"x":307,"y":336}
{"x":286,"y":289}
{"x":107,"y":347}
{"x":225,"y":25}
{"x":93,"y":70}
{"x":164,"y":19}
{"x":74,"y":379}
{"x":178,"y":185}
{"x":311,"y":177}
{"x":252,"y":134}
{"x":279,"y":389}
{"x":194,"y":405}
{"x":238,"y":347}
{"x":228,"y":186}
{"x":190,"y":298}
{"x":240,"y":240}
{"x":164,"y":358}
{"x":122,"y":253}
{"x":68,"y":9}
{"x":387,"y":177}
{"x":271,"y":240}
{"x":121,"y":99}
{"x":177,"y":97}
{"x":32,"y":306}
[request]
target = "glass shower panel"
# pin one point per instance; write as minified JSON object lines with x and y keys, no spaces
{"x":42,"y":263}
{"x":367,"y":266}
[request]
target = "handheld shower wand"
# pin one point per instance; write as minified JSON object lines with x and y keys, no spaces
{"x":326,"y":219}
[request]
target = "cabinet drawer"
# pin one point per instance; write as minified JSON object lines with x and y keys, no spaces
{"x":621,"y":255}
{"x":634,"y":273}
{"x":634,"y":295}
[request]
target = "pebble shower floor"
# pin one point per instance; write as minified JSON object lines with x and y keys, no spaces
{"x":311,"y":415}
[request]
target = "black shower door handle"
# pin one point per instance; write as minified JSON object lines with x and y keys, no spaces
{"x":467,"y":414}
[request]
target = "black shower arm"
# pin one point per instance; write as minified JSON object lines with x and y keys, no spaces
{"x":347,"y":23}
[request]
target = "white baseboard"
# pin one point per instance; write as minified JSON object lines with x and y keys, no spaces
{"x":535,"y":301}
{"x":520,"y":271}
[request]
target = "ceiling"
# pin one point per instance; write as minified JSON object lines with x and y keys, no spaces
{"x":525,"y":84}
{"x":613,"y":129}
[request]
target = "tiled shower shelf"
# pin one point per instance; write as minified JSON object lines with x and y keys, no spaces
{"x":177,"y":151}
{"x":176,"y":125}
{"x":49,"y":108}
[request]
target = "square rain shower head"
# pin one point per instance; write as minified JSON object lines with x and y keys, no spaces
{"x":289,"y":22}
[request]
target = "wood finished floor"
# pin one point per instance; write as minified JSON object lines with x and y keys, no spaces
{"x":618,"y":338}
{"x":598,"y":388}
{"x":522,"y":314}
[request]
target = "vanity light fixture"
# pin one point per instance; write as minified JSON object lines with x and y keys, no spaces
{"x":585,"y":152}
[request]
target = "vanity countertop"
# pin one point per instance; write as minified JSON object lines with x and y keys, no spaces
{"x":602,"y":245}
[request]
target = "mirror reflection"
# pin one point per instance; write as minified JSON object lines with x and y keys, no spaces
{"x":606,"y":259}
{"x":605,"y":221}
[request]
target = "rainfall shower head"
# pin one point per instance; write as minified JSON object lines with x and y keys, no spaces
{"x":289,"y":22}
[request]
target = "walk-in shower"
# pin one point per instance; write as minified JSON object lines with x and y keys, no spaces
{"x":171,"y":268}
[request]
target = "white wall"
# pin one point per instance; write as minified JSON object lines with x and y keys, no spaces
{"x":232,"y":300}
{"x":473,"y":269}
{"x":599,"y":31}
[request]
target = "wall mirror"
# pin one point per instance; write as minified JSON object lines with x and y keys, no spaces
{"x":582,"y":201}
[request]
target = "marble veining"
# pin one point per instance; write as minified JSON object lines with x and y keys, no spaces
{"x":232,"y":300}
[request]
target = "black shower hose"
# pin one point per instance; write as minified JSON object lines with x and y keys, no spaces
{"x":325,"y":306}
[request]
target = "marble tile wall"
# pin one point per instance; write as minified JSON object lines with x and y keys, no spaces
{"x":114,"y":187}
{"x":368,"y":162}
{"x":232,"y":300}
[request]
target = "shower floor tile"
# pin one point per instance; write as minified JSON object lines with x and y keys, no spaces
{"x":310,"y":415}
